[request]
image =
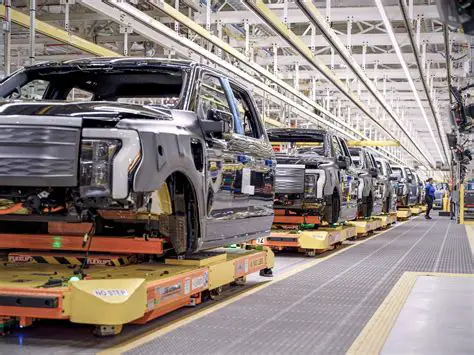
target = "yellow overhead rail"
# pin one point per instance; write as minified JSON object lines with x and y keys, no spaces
{"x":62,"y":36}
{"x":367,"y":143}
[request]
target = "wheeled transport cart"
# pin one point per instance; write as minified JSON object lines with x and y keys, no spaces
{"x":403,"y":213}
{"x":366,"y":226}
{"x":46,"y":278}
{"x":386,"y":220}
{"x":309,"y":241}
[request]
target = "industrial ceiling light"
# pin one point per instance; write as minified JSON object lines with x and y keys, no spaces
{"x":391,"y":34}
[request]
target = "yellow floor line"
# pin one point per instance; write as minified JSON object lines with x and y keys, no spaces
{"x":155,"y":333}
{"x":470,"y":237}
{"x":375,"y":333}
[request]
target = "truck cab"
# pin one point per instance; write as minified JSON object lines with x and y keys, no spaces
{"x":314,"y":174}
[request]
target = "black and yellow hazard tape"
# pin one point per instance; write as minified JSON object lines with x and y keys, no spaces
{"x":68,"y":259}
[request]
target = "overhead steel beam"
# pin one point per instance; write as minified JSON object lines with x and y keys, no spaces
{"x":390,"y":73}
{"x":383,"y":58}
{"x":279,"y":27}
{"x":396,"y":47}
{"x":57,"y":34}
{"x":421,"y":69}
{"x":373,"y":39}
{"x":373,"y":143}
{"x":338,"y":14}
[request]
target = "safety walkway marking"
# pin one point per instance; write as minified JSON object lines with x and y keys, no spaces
{"x":156,"y":333}
{"x":377,"y":330}
{"x":470,"y":237}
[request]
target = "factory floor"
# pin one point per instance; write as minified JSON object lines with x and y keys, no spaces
{"x":408,"y":289}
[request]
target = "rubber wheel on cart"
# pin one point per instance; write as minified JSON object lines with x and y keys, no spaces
{"x":332,"y":209}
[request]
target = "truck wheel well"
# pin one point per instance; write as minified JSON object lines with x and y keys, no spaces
{"x":185,"y":203}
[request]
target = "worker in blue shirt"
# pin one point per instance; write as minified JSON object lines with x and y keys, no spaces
{"x":429,"y":197}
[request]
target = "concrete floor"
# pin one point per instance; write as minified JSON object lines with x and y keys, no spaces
{"x":437,"y":318}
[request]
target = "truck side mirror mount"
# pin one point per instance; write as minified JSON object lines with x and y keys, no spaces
{"x":216,"y":122}
{"x":394,"y":177}
{"x":342,"y":162}
{"x":373,"y":172}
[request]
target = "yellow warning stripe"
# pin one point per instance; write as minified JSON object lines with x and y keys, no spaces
{"x":374,"y":335}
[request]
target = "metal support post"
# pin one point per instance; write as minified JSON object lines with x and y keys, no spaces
{"x":275,"y":59}
{"x":328,"y":11}
{"x":418,"y":31}
{"x":313,"y":39}
{"x":364,"y":55}
{"x":410,"y":10}
{"x":423,"y":55}
{"x":176,"y":23}
{"x":7,"y":25}
{"x":376,"y":71}
{"x":385,"y":85}
{"x":313,"y":88}
{"x":333,"y":59}
{"x":208,"y":15}
{"x":67,"y":27}
{"x":428,"y":68}
{"x":285,"y":12}
{"x":247,"y":38}
{"x":297,"y":76}
{"x":328,"y":99}
{"x":219,"y":35}
{"x":349,"y":34}
{"x":32,"y":33}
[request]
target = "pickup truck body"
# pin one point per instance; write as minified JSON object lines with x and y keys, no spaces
{"x":314,"y":174}
{"x":407,"y":188}
{"x":442,"y":189}
{"x":370,"y":190}
{"x":163,"y":147}
{"x":389,"y":184}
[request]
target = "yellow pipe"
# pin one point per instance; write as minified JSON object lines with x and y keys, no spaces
{"x":62,"y":36}
{"x":367,"y":143}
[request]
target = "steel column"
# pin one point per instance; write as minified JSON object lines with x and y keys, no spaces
{"x":7,"y":28}
{"x":32,"y":33}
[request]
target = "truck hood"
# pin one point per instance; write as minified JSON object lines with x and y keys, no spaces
{"x":310,"y":160}
{"x":104,"y":111}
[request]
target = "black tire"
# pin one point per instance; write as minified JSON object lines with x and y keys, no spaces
{"x":367,"y":206}
{"x":332,"y":209}
{"x":184,"y":227}
{"x":386,"y":207}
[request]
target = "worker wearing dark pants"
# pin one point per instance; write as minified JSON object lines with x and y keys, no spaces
{"x":429,"y":197}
